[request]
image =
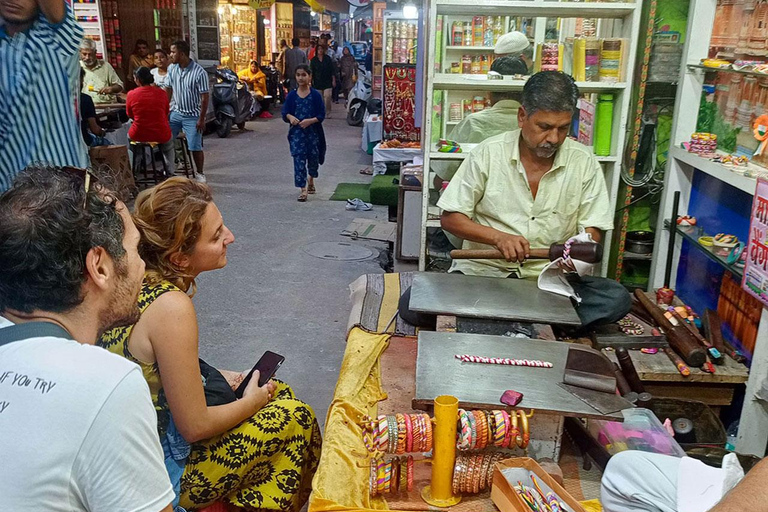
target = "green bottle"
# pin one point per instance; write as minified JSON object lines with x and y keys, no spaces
{"x":603,"y":124}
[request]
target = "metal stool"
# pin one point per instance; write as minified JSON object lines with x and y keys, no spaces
{"x":184,"y":157}
{"x":140,"y":167}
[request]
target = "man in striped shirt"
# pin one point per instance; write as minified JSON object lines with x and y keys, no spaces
{"x":38,"y":87}
{"x":188,"y":90}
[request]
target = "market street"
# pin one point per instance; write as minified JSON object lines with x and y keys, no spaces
{"x":272,"y":295}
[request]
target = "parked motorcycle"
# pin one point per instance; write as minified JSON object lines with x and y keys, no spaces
{"x":359,"y":96}
{"x":232,"y":102}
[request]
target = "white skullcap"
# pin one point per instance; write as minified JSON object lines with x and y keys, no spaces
{"x":512,"y":43}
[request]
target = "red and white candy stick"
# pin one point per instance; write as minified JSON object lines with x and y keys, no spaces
{"x":466,"y":358}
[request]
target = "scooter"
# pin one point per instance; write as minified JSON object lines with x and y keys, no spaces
{"x":359,"y":96}
{"x":232,"y":102}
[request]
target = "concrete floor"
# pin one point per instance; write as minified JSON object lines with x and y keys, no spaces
{"x":272,"y":295}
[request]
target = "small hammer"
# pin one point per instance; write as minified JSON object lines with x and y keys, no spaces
{"x":587,"y":252}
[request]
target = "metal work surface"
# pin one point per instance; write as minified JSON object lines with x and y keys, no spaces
{"x":489,"y":297}
{"x":438,"y":372}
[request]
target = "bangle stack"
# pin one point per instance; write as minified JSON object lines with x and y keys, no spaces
{"x":474,"y":473}
{"x":391,"y":477}
{"x":481,"y":429}
{"x":398,"y":433}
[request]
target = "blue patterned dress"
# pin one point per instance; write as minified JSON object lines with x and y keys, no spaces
{"x":304,"y":144}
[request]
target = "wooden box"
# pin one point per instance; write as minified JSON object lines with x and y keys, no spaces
{"x":507,"y":499}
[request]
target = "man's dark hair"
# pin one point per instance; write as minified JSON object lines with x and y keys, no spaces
{"x":295,"y":42}
{"x":142,"y":41}
{"x":508,"y":65}
{"x":47,"y":226}
{"x":182,"y":46}
{"x":552,"y":91}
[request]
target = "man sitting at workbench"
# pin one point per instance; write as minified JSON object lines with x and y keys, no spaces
{"x":533,"y":187}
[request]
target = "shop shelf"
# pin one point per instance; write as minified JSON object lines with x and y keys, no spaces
{"x":716,"y":170}
{"x":536,"y":8}
{"x":692,"y":234}
{"x":471,"y":48}
{"x":451,"y":81}
{"x":726,"y":70}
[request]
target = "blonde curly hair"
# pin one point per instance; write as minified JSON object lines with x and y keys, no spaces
{"x":169,"y":218}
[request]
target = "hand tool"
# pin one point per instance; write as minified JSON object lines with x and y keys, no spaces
{"x":678,"y":336}
{"x":587,"y":252}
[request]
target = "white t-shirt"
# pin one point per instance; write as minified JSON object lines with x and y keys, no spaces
{"x":160,"y":80}
{"x":78,"y":431}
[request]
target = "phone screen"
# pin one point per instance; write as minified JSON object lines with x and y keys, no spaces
{"x":267,"y":366}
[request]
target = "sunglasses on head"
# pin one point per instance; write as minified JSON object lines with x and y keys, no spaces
{"x":87,"y":176}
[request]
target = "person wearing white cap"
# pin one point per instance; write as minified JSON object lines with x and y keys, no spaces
{"x":515,"y":44}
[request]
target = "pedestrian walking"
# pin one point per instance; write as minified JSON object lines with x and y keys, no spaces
{"x":305,"y":111}
{"x":323,"y":76}
{"x":188,"y":86}
{"x":294,"y":57}
{"x":348,"y":67}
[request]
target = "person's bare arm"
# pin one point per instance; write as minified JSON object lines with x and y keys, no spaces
{"x":751,"y":494}
{"x":53,"y":10}
{"x":203,"y":110}
{"x":597,"y":234}
{"x":94,"y":127}
{"x":514,"y":248}
{"x":171,"y":325}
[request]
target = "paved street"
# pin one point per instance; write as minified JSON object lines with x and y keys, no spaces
{"x":272,"y":295}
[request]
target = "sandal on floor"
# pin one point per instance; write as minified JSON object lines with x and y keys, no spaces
{"x":311,"y":189}
{"x":367,"y":171}
{"x":302,"y":197}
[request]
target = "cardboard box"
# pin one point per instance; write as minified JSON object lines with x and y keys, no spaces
{"x":506,"y":498}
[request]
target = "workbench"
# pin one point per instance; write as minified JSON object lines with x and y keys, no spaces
{"x":661,"y":378}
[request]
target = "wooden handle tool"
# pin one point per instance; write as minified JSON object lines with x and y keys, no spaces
{"x":587,"y":252}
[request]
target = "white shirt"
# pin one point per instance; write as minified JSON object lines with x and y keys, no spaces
{"x":160,"y":80}
{"x":78,"y":431}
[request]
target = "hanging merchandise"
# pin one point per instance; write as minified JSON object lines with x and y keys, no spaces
{"x":399,"y":103}
{"x":603,"y":125}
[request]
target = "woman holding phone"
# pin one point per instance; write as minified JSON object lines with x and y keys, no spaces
{"x":257,"y":452}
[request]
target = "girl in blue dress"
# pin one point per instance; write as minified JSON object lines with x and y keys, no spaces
{"x":304,"y":110}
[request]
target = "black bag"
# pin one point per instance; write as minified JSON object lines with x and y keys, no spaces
{"x":217,"y":389}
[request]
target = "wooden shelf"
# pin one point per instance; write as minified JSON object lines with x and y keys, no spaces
{"x":538,"y":8}
{"x":455,"y":81}
{"x":471,"y":48}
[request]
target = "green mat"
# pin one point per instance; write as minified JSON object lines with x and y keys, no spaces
{"x":346,"y":191}
{"x":383,"y":191}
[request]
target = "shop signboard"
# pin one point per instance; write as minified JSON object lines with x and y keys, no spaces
{"x":261,"y":4}
{"x":755,"y":281}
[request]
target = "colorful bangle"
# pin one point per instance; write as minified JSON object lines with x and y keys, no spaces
{"x":374,"y":491}
{"x":404,"y":474}
{"x":515,"y":437}
{"x":410,"y":473}
{"x":507,"y":429}
{"x":383,"y":433}
{"x":457,"y":475}
{"x":524,"y":426}
{"x":408,"y":433}
{"x":472,"y":430}
{"x":380,"y":477}
{"x":387,"y":477}
{"x":500,"y":429}
{"x":400,"y":419}
{"x":395,"y":475}
{"x":482,"y":429}
{"x":391,"y":434}
{"x":428,"y":425}
{"x":479,"y":475}
{"x":465,"y":431}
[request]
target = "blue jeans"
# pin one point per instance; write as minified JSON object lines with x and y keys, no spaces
{"x":303,"y":164}
{"x":175,"y":452}
{"x":181,"y":122}
{"x":98,"y":141}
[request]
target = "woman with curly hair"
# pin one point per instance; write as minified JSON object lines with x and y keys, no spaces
{"x":258,"y":452}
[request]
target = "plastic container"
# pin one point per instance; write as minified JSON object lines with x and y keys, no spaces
{"x":641,"y":430}
{"x":708,"y":430}
{"x":603,"y":124}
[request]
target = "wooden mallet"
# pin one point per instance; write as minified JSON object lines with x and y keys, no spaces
{"x":587,"y":252}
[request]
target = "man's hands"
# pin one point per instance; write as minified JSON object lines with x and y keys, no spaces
{"x":514,"y":248}
{"x":201,"y":123}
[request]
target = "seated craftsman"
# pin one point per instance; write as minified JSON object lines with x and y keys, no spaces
{"x":101,"y":81}
{"x":650,"y":482}
{"x":257,"y":82}
{"x":482,"y":125}
{"x":93,"y":133}
{"x":532,"y":187}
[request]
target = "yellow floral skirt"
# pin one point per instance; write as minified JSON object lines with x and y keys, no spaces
{"x":265,"y":463}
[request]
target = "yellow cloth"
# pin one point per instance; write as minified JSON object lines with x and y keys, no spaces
{"x":257,"y":80}
{"x":477,"y":127}
{"x":592,"y":505}
{"x":341,"y":481}
{"x":571,"y":195}
{"x":102,"y":75}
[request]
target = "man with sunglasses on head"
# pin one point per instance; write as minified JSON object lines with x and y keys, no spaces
{"x":39,"y":42}
{"x":77,"y":425}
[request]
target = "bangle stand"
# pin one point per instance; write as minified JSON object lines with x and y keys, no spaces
{"x":439,"y":493}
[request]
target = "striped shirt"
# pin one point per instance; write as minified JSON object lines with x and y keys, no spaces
{"x":39,"y":76}
{"x":188,"y":85}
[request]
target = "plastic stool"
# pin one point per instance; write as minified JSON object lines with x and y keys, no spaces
{"x":187,"y":162}
{"x":140,"y":167}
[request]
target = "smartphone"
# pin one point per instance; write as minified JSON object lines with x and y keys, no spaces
{"x":267,"y":366}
